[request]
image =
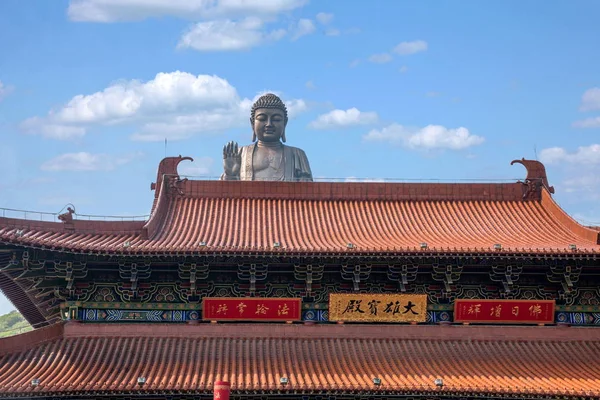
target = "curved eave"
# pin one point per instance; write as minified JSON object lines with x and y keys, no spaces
{"x":19,"y":298}
{"x":87,"y":359}
{"x":355,"y":252}
{"x":228,"y":218}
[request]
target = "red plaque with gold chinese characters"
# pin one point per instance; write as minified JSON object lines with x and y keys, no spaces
{"x":504,"y":311}
{"x":251,"y":309}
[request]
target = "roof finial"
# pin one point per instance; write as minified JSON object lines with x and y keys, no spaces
{"x":536,"y":175}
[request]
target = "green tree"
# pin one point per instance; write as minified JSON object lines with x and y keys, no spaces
{"x":13,"y":323}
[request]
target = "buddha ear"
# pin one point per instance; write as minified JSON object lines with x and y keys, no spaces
{"x":283,"y":133}
{"x":253,"y":133}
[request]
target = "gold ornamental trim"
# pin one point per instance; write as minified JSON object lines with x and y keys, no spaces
{"x":378,"y":307}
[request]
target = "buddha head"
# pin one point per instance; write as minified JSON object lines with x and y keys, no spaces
{"x":268,"y":118}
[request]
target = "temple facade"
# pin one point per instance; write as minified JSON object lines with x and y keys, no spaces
{"x":308,"y":290}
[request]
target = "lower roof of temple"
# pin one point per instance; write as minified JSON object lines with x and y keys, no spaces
{"x":85,"y":359}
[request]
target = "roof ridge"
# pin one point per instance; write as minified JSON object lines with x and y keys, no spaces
{"x":347,"y":191}
{"x":32,"y":338}
{"x":463,"y":339}
{"x":333,"y":331}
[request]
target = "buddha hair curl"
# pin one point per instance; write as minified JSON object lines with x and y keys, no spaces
{"x":268,"y":100}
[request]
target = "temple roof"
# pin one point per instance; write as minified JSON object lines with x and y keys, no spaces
{"x":324,"y":217}
{"x":78,"y":359}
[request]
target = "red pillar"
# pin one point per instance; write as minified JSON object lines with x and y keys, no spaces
{"x":221,"y":390}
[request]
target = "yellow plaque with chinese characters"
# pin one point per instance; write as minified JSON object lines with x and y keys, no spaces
{"x":378,"y":307}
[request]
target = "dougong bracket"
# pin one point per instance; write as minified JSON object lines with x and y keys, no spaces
{"x":403,"y":274}
{"x":70,"y":271}
{"x":566,"y":275}
{"x":507,"y":275}
{"x":308,"y":273}
{"x":252,"y":273}
{"x":193,"y":272}
{"x":448,"y":274}
{"x":134,"y":272}
{"x":356,"y":273}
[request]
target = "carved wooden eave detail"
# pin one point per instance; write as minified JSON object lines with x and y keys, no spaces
{"x":507,"y":275}
{"x":403,"y":274}
{"x":309,"y":273}
{"x":252,"y":273}
{"x":356,"y":274}
{"x":192,"y":272}
{"x":69,"y":271}
{"x":449,"y":274}
{"x":30,"y":268}
{"x":134,"y":272}
{"x":566,"y":275}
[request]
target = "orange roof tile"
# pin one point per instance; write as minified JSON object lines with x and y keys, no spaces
{"x":188,"y":359}
{"x":324,"y":217}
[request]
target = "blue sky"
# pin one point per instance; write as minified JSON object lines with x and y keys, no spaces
{"x":90,"y":89}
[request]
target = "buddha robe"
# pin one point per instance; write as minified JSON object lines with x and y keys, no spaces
{"x":294,"y":165}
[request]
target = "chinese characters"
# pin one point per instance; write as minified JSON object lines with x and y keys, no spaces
{"x":378,"y":307}
{"x":251,"y":309}
{"x":504,"y":311}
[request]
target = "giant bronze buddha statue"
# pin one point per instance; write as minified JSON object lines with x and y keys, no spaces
{"x":267,"y":159}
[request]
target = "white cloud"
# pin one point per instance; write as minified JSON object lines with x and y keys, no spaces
{"x":354,"y":63}
{"x":584,"y":155}
{"x":579,"y":168}
{"x":173,"y":105}
{"x":181,"y":127}
{"x":344,"y":118}
{"x":84,"y":161}
{"x":589,"y":183}
{"x":222,"y":25}
{"x":429,"y":137}
{"x":302,"y":28}
{"x":590,"y":100}
{"x":593,"y":122}
{"x":310,"y":85}
{"x":4,"y":90}
{"x":380,"y":58}
{"x":433,"y":94}
{"x":352,"y":31}
{"x":228,"y":35}
{"x":407,"y":48}
{"x":200,"y":167}
{"x":135,"y":10}
{"x":51,"y":130}
{"x":324,"y":18}
{"x":403,"y":69}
